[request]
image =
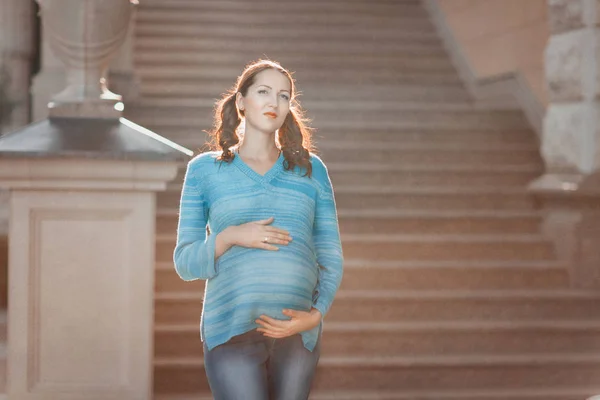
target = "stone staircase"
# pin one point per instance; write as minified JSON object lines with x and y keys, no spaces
{"x":450,"y":291}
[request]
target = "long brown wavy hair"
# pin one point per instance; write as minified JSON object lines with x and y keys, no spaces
{"x":294,"y":136}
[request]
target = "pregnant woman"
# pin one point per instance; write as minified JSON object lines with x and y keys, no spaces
{"x":271,"y":256}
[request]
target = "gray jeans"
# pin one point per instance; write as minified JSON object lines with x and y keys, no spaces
{"x":254,"y":367}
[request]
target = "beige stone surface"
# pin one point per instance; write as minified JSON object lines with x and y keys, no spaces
{"x":596,"y":143}
{"x":499,"y":37}
{"x":566,"y":15}
{"x":538,"y":86}
{"x":81,"y":277}
{"x":597,"y":62}
{"x":562,"y":147}
{"x":565,"y":57}
{"x":80,"y":295}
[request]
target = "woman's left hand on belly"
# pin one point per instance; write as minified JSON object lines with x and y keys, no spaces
{"x":300,"y":321}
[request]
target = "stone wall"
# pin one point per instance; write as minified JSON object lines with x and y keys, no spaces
{"x":499,"y":37}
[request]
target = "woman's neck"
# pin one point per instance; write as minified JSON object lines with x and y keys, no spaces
{"x":258,"y":148}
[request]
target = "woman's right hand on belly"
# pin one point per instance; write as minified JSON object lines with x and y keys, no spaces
{"x":257,"y":234}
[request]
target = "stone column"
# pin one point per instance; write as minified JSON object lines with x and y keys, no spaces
{"x":571,"y":139}
{"x":570,"y":187}
{"x":16,"y":47}
{"x":81,"y":231}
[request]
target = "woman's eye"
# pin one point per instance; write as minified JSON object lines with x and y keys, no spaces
{"x":285,"y":97}
{"x":262,"y":91}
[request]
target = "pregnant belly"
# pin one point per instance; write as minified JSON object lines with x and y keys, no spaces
{"x":263,"y":284}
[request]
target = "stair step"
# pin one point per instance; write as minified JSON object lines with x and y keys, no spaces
{"x":439,"y":178}
{"x":308,"y":73}
{"x":482,"y":372}
{"x":517,"y":247}
{"x":429,"y":160}
{"x":428,"y":222}
{"x":226,"y":77}
{"x":420,"y":339}
{"x":419,"y":305}
{"x":411,"y":139}
{"x":294,"y":7}
{"x":3,"y":329}
{"x":184,"y":104}
{"x":435,"y":156}
{"x":347,"y":62}
{"x":195,"y":139}
{"x":413,"y":21}
{"x":401,"y":120}
{"x":576,"y":393}
{"x":261,"y":45}
{"x":407,"y":222}
{"x":371,"y":105}
{"x":3,"y":351}
{"x":424,"y":118}
{"x":185,"y":107}
{"x":447,"y":247}
{"x":413,"y":198}
{"x":425,"y":91}
{"x":458,"y":138}
{"x":372,"y":275}
{"x":432,"y":198}
{"x":288,"y":33}
{"x":400,"y":167}
{"x":532,"y":394}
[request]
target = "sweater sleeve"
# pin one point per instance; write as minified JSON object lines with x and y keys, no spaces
{"x":327,"y":241}
{"x":194,"y":254}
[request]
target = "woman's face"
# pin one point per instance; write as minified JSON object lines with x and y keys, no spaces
{"x":267,"y":101}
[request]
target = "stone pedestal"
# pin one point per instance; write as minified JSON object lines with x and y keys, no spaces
{"x":80,"y":280}
{"x":570,"y":187}
{"x":81,"y":257}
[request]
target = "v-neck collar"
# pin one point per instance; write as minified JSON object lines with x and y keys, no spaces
{"x":270,"y":174}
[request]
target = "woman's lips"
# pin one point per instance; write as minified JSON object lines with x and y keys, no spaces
{"x":271,"y":115}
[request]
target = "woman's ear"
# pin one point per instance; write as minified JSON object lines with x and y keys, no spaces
{"x":239,"y":101}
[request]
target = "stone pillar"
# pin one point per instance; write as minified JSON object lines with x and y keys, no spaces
{"x":570,"y":187}
{"x":16,"y":47}
{"x":81,"y":275}
{"x":81,"y":231}
{"x":571,"y":138}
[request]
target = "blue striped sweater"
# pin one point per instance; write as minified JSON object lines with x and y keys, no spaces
{"x":244,"y":283}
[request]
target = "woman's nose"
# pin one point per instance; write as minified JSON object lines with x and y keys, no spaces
{"x":273,"y":101}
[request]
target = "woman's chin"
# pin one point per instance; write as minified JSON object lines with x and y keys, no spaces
{"x":268,"y":127}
